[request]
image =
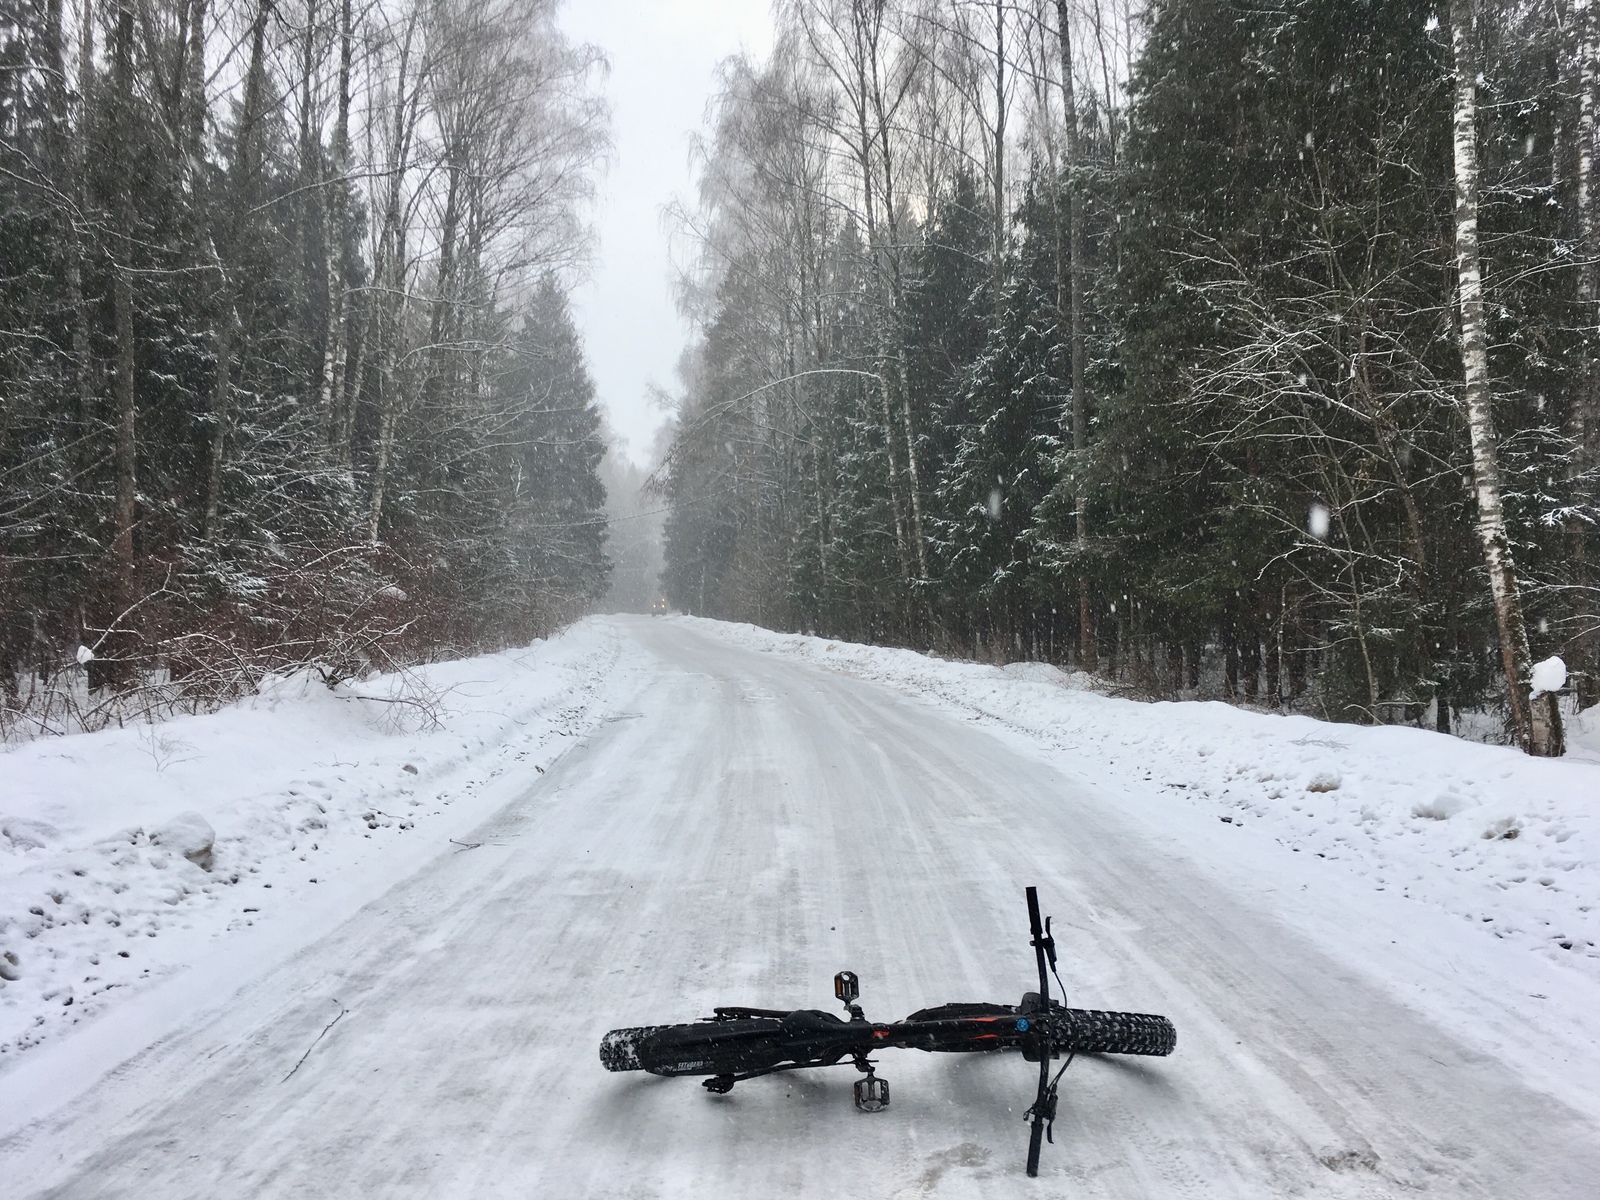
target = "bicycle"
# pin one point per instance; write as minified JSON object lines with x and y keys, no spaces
{"x":737,"y":1043}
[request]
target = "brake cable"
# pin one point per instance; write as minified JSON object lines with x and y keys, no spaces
{"x":1049,"y":1110}
{"x":1046,"y":1101}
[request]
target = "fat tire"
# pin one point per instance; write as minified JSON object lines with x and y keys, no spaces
{"x":711,"y":1047}
{"x":1091,"y":1031}
{"x":619,"y":1049}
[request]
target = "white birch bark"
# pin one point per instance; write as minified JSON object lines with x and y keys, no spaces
{"x":1538,"y":726}
{"x":1583,"y":420}
{"x":335,"y":346}
{"x":1588,"y":269}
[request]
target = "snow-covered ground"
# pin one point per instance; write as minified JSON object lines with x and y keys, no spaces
{"x":298,"y":790}
{"x":391,"y":972}
{"x":1506,"y":843}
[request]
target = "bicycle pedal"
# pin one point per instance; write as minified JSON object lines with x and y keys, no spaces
{"x":872,"y":1093}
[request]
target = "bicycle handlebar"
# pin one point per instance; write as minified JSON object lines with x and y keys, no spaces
{"x":1041,"y":1100}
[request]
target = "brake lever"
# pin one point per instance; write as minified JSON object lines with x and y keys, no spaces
{"x":1044,"y":1107}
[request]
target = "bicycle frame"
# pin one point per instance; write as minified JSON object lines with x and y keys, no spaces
{"x":746,"y":1042}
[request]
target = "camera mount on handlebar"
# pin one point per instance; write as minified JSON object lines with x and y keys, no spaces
{"x":848,"y":988}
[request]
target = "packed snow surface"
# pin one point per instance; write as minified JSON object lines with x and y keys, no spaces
{"x":124,"y":854}
{"x":1508,"y":844}
{"x":373,"y":936}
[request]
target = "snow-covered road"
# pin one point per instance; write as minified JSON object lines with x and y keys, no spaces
{"x":742,"y":827}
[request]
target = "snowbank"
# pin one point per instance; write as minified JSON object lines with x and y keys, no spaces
{"x":124,"y":854}
{"x":1506,"y":843}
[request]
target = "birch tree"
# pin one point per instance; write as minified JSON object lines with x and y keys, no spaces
{"x":1537,"y":722}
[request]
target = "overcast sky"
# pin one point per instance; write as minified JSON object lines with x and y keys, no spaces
{"x":663,"y":55}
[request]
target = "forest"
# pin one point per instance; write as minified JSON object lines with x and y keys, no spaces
{"x":288,"y":371}
{"x":1239,"y":349}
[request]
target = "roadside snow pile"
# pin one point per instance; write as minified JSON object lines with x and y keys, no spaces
{"x":123,"y":853}
{"x":1508,"y":843}
{"x":190,"y":835}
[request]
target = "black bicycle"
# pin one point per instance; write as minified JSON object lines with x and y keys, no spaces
{"x":743,"y":1043}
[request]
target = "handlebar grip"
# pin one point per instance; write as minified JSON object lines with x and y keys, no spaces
{"x":1037,"y":927}
{"x":1035,"y":1140}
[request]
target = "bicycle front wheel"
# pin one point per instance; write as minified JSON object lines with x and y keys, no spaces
{"x":1091,"y":1031}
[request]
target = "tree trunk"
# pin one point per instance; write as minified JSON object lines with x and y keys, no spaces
{"x":390,"y":276}
{"x":1272,"y":662}
{"x":388,"y":375}
{"x":1537,"y":726}
{"x":193,"y":83}
{"x":82,"y":357}
{"x":388,"y":405}
{"x":226,"y":313}
{"x":1087,"y":654}
{"x":312,"y":215}
{"x":250,"y":114}
{"x":1583,"y":421}
{"x":1000,"y":240}
{"x":334,"y":345}
{"x":122,"y":301}
{"x":388,"y":380}
{"x":862,"y":152}
{"x":123,"y":589}
{"x":363,"y":320}
{"x":126,"y":445}
{"x":221,"y":408}
{"x":890,"y":251}
{"x":380,"y":464}
{"x":191,"y":108}
{"x":441,"y":329}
